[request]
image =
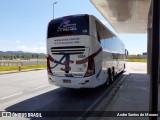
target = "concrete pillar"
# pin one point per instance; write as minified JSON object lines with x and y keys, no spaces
{"x":154,"y":77}
{"x":149,"y":47}
{"x":149,"y":40}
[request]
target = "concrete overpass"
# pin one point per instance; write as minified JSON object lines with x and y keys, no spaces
{"x":138,"y":16}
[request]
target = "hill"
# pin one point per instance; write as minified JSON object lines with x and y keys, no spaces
{"x":10,"y":55}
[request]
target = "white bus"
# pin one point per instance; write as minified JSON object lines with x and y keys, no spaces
{"x":82,"y":52}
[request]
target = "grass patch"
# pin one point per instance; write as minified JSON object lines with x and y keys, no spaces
{"x":25,"y":67}
{"x":137,"y":60}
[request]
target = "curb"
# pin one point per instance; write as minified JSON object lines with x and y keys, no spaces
{"x":10,"y":72}
{"x":103,"y":102}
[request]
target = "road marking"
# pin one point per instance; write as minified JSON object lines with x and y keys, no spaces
{"x":11,"y":95}
{"x":41,"y":87}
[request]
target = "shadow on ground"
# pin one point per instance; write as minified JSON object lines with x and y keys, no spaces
{"x":60,"y":99}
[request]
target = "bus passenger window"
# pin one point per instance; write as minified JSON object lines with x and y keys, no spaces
{"x":99,"y":40}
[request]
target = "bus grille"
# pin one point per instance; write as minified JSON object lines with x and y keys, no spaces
{"x":68,"y":50}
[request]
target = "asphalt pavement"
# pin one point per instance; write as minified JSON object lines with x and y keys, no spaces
{"x":30,"y":91}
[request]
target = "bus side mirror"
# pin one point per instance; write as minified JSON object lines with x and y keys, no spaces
{"x":126,"y":52}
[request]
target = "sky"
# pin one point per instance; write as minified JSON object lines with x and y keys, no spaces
{"x":23,"y":24}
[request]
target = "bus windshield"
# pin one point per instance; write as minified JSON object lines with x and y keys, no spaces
{"x":69,"y":25}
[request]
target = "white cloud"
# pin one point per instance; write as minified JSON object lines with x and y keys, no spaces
{"x":42,"y":43}
{"x":36,"y":49}
{"x":18,"y":41}
{"x":23,"y":48}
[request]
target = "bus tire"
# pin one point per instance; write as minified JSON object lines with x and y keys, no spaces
{"x":110,"y":76}
{"x":113,"y":72}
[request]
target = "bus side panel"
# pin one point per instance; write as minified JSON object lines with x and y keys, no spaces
{"x":93,"y":29}
{"x":97,"y":61}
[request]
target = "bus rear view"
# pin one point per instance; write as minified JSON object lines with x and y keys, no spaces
{"x":68,"y":49}
{"x":82,"y":52}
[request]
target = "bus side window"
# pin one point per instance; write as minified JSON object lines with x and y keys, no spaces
{"x":99,"y":39}
{"x":98,"y":30}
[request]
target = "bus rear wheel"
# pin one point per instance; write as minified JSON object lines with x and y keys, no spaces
{"x":110,"y":76}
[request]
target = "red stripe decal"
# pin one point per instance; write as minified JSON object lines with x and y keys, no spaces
{"x":70,"y":61}
{"x":82,"y":61}
{"x":89,"y":57}
{"x":49,"y":58}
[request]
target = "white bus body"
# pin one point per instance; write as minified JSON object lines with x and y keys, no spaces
{"x":82,"y":52}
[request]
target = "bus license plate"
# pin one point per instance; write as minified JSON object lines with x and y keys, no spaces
{"x":66,"y":81}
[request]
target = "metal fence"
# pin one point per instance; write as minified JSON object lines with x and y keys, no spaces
{"x":21,"y":63}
